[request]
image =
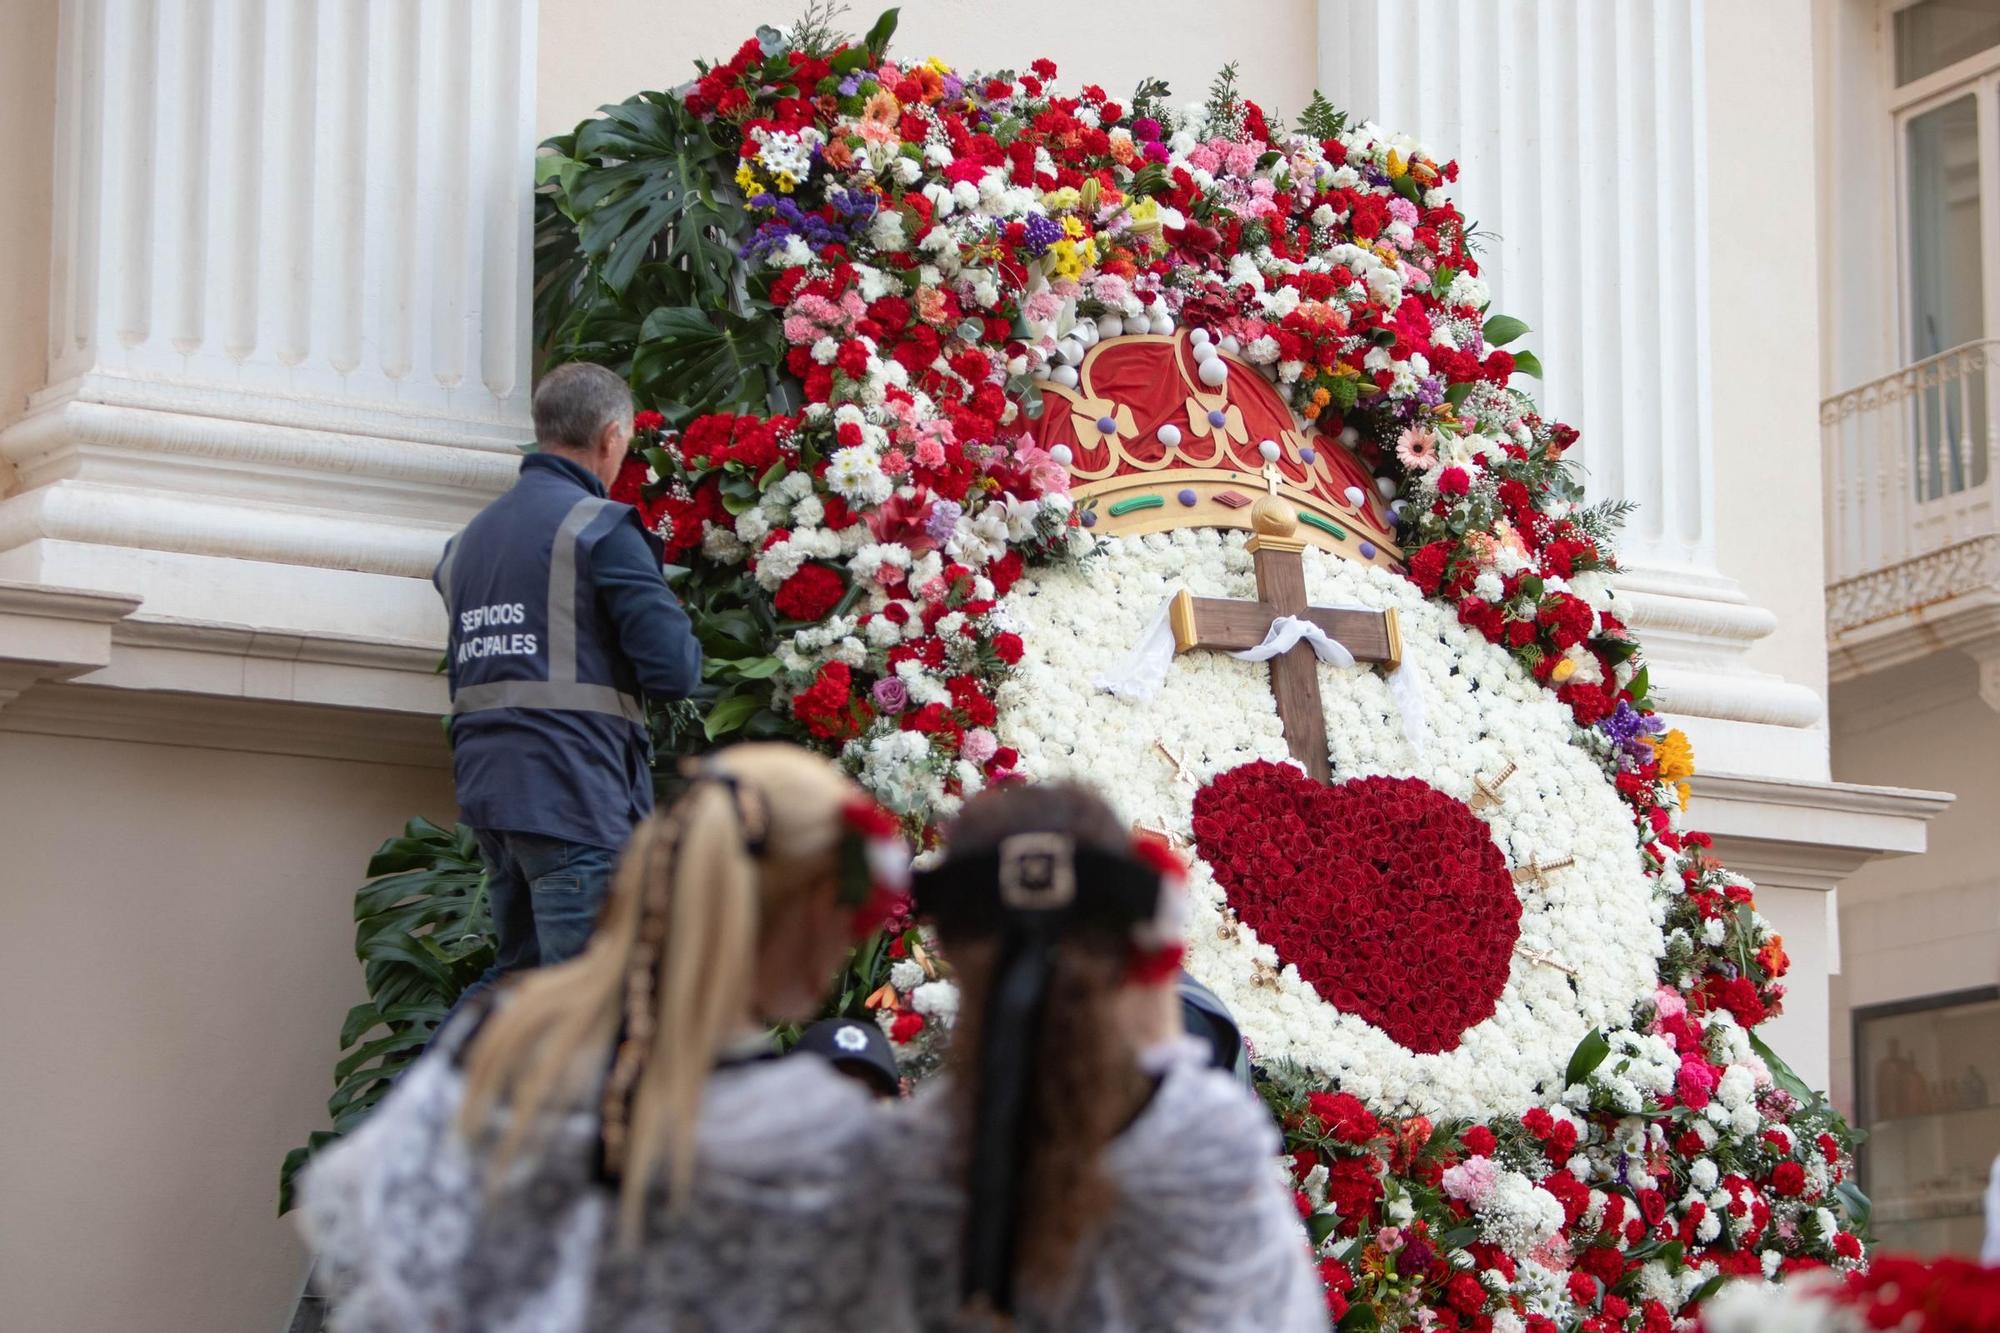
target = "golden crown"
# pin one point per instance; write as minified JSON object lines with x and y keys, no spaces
{"x":1168,"y":431}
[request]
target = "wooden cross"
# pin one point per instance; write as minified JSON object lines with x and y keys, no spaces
{"x":1486,"y":791}
{"x":1536,"y":872}
{"x":1232,"y":626}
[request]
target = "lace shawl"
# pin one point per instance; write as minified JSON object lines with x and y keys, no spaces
{"x":1204,"y":1237}
{"x":783,"y":1230}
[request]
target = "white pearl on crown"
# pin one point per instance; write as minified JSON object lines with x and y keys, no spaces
{"x":1111,"y":326}
{"x":1169,"y":435}
{"x":1161,"y":322}
{"x":1204,"y":353}
{"x":1199,"y":337}
{"x":1268,"y":451}
{"x":1061,"y":453}
{"x":1065,"y":376}
{"x":1214,"y":372}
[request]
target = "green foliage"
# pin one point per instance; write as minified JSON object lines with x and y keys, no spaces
{"x":1321,"y":119}
{"x":422,"y":935}
{"x":1589,"y":1054}
{"x":1503,"y":329}
{"x":638,"y":227}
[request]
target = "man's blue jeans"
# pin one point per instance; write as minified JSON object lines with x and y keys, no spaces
{"x":544,"y":893}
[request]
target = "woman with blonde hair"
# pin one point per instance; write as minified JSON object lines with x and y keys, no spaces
{"x":1084,"y":1167}
{"x":607,"y":1144}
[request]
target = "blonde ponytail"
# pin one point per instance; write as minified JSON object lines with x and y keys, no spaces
{"x":668,"y":976}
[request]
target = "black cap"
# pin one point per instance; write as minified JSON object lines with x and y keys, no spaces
{"x":855,"y":1048}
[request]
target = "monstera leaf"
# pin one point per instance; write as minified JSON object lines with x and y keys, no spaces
{"x":422,"y":935}
{"x":689,"y":361}
{"x":654,"y":186}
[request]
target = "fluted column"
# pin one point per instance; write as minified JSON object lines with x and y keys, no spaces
{"x":289,"y":325}
{"x":1582,"y":129}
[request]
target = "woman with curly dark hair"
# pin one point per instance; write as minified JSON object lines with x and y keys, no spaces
{"x":1083,"y":1167}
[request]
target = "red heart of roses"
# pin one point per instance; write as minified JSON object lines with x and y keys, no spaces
{"x":1389,"y":896}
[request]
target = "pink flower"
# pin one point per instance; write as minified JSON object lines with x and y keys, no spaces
{"x":979,"y":745}
{"x":1695,"y":1081}
{"x":1668,"y":1002}
{"x":1416,"y":449}
{"x":1049,"y":477}
{"x":930,"y":454}
{"x":1471,"y":1180}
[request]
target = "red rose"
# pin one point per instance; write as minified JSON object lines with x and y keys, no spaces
{"x":1007,"y":647}
{"x":811,"y":593}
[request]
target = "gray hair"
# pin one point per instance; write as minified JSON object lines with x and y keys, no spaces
{"x":575,"y":402}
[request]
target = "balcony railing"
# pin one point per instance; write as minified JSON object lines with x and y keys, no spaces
{"x":1909,"y":468}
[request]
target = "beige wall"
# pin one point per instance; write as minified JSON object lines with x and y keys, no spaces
{"x":175,"y":957}
{"x":1182,"y":41}
{"x":1763,"y":285}
{"x":1929,"y":924}
{"x":27,"y":123}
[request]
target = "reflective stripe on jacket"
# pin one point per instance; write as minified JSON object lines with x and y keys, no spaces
{"x":549,"y":729}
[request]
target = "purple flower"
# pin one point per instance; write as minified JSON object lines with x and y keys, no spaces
{"x":891,"y":695}
{"x":1040,"y":232}
{"x":850,"y":85}
{"x":942,"y":521}
{"x":1430,"y":390}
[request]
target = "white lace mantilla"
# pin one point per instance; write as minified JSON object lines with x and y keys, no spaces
{"x":1204,"y":1238}
{"x":783,"y":1231}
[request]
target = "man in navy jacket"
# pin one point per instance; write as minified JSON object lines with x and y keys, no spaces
{"x":561,"y":625}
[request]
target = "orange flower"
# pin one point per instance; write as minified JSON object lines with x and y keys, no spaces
{"x":929,"y":80}
{"x":1773,"y":958}
{"x":882,"y":108}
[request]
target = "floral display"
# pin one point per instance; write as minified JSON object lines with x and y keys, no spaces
{"x":1502,"y":999}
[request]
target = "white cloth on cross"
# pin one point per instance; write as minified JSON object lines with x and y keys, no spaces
{"x":1144,"y":670}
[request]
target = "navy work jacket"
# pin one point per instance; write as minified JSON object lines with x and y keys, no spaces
{"x":561,"y":620}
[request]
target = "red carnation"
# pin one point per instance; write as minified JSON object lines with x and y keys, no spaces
{"x":1007,"y":647}
{"x":1479,"y":1141}
{"x":1789,"y":1179}
{"x":905,"y":1026}
{"x":811,"y":593}
{"x":1344,"y":1117}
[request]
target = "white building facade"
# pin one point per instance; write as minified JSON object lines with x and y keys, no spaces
{"x":1909,"y":229}
{"x":268,"y":345}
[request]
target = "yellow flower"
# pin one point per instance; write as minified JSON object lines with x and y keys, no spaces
{"x":1397,"y":167}
{"x":746,"y":179}
{"x":1676,"y":756}
{"x":785,"y":182}
{"x":937,"y":63}
{"x":1073,"y":227}
{"x":1564,"y":670}
{"x":1068,"y":258}
{"x":1057,"y":200}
